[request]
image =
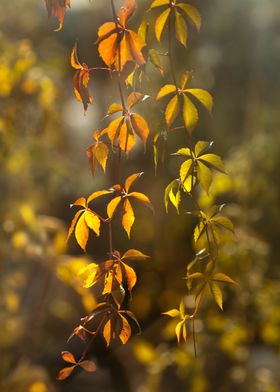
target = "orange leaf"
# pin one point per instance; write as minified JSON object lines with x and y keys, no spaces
{"x":73,"y":223}
{"x":126,"y":11}
{"x":82,"y":232}
{"x":68,"y":357}
{"x":74,"y":58}
{"x":136,"y":44}
{"x":128,"y":217}
{"x":107,"y":47}
{"x":125,"y":331}
{"x":89,"y":366}
{"x":65,"y":373}
{"x":114,"y":128}
{"x":108,"y":284}
{"x":57,"y":8}
{"x":81,"y":80}
{"x":92,"y":221}
{"x":112,"y":205}
{"x":107,"y":332}
{"x":143,"y":198}
{"x":135,"y":98}
{"x":130,"y":180}
{"x":126,"y":138}
{"x":79,"y":202}
{"x":131,"y":277}
{"x":140,"y":127}
{"x":94,"y":195}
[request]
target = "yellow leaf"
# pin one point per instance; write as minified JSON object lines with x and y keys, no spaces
{"x":140,"y":127}
{"x":161,"y":22}
{"x":185,"y":170}
{"x":180,"y":28}
{"x":143,"y":198}
{"x":204,"y":175}
{"x":94,"y":195}
{"x":80,"y":202}
{"x":73,"y":223}
{"x":178,"y":330}
{"x":128,"y":217}
{"x":190,"y":114}
{"x":82,"y":232}
{"x":131,"y":277}
{"x":198,"y":231}
{"x":92,"y":221}
{"x":184,"y":332}
{"x":192,"y":13}
{"x":165,"y":90}
{"x":172,"y":313}
{"x":130,"y":180}
{"x":223,"y":221}
{"x":203,"y":96}
{"x":213,"y":160}
{"x":112,"y":205}
{"x":201,"y":147}
{"x":133,"y":254}
{"x":74,"y":59}
{"x":101,"y":152}
{"x":114,"y":108}
{"x":107,"y":332}
{"x":113,"y":129}
{"x":221,"y":277}
{"x":217,"y":294}
{"x":89,"y":274}
{"x":125,"y":330}
{"x":135,"y":98}
{"x":126,"y":138}
{"x":185,"y":79}
{"x":172,"y":110}
{"x":159,"y":3}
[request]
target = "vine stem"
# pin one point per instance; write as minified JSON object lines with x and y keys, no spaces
{"x":170,"y":53}
{"x":110,"y":238}
{"x":91,"y":340}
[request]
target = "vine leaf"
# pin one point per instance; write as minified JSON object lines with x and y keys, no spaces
{"x":181,"y":327}
{"x":183,"y":13}
{"x":190,"y":112}
{"x":118,"y":45}
{"x":97,"y":152}
{"x":124,"y":196}
{"x":68,"y":357}
{"x":85,"y":219}
{"x":80,"y":79}
{"x":58,"y":9}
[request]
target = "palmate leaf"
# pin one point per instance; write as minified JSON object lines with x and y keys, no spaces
{"x":190,"y":114}
{"x":172,"y":110}
{"x":180,"y":28}
{"x":128,"y":217}
{"x":98,"y":152}
{"x":125,"y":332}
{"x":192,"y":14}
{"x":216,"y":293}
{"x":118,"y":45}
{"x":161,"y":22}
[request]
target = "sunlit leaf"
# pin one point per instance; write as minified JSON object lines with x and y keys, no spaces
{"x":114,"y":108}
{"x":140,"y":127}
{"x":213,"y":160}
{"x":57,"y":8}
{"x":73,"y":223}
{"x":172,"y":110}
{"x":97,"y":194}
{"x":192,"y":13}
{"x":89,"y":366}
{"x":92,"y":221}
{"x":131,"y":277}
{"x":165,"y":90}
{"x":68,"y":357}
{"x":180,"y":28}
{"x":217,"y":294}
{"x":203,"y":96}
{"x":65,"y":373}
{"x":161,"y":22}
{"x":74,"y":58}
{"x":107,"y":331}
{"x":125,"y":330}
{"x":221,"y":277}
{"x":133,"y":254}
{"x":130,"y":180}
{"x":112,"y":205}
{"x":172,"y":313}
{"x":178,"y":330}
{"x":159,"y":3}
{"x":128,"y":217}
{"x":82,"y":232}
{"x":190,"y":114}
{"x":143,"y":198}
{"x":204,"y":176}
{"x":223,"y":221}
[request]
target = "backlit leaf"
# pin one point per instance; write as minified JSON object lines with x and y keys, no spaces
{"x":73,"y":223}
{"x":223,"y":221}
{"x":65,"y":373}
{"x":57,"y":8}
{"x":135,"y":98}
{"x":165,"y":90}
{"x":128,"y":217}
{"x":201,"y":147}
{"x":112,"y":205}
{"x":68,"y":357}
{"x":180,"y":28}
{"x":74,"y":58}
{"x":79,"y":202}
{"x":126,"y":11}
{"x":130,"y":180}
{"x":204,"y":175}
{"x":107,"y":332}
{"x":125,"y":330}
{"x":140,"y":127}
{"x":221,"y":277}
{"x":213,"y":160}
{"x":143,"y":198}
{"x":178,"y":330}
{"x":82,"y":232}
{"x":199,"y":230}
{"x":81,"y":81}
{"x":203,"y":96}
{"x":192,"y":13}
{"x":172,"y":110}
{"x":159,"y":3}
{"x":161,"y":22}
{"x":131,"y":277}
{"x":185,"y":170}
{"x":172,"y":313}
{"x":113,"y":129}
{"x":114,"y":108}
{"x":133,"y":254}
{"x":190,"y":114}
{"x":217,"y":294}
{"x":97,"y":194}
{"x":92,"y":221}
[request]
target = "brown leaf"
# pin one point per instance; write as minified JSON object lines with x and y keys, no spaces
{"x":89,"y":366}
{"x":131,"y":277}
{"x":125,"y":331}
{"x":65,"y":373}
{"x":68,"y":357}
{"x":58,"y":9}
{"x":80,"y":81}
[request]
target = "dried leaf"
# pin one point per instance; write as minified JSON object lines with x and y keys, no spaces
{"x":89,"y":366}
{"x":65,"y":373}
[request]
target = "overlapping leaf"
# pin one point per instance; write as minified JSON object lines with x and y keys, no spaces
{"x":80,"y":80}
{"x":85,"y":219}
{"x":118,"y":45}
{"x":181,"y":327}
{"x":97,"y":152}
{"x":183,"y":13}
{"x":68,"y":357}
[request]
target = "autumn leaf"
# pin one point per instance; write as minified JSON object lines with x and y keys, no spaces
{"x":58,"y":9}
{"x":98,"y":152}
{"x":118,"y":45}
{"x":80,"y":79}
{"x":180,"y":329}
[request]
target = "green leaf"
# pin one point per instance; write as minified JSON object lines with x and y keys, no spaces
{"x":172,"y":110}
{"x":213,"y":160}
{"x":217,"y":294}
{"x":192,"y":13}
{"x":190,"y":114}
{"x":165,"y":90}
{"x":180,"y":28}
{"x":203,"y":96}
{"x":204,"y":175}
{"x":161,"y":22}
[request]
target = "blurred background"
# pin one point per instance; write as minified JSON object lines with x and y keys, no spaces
{"x":44,"y":135}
